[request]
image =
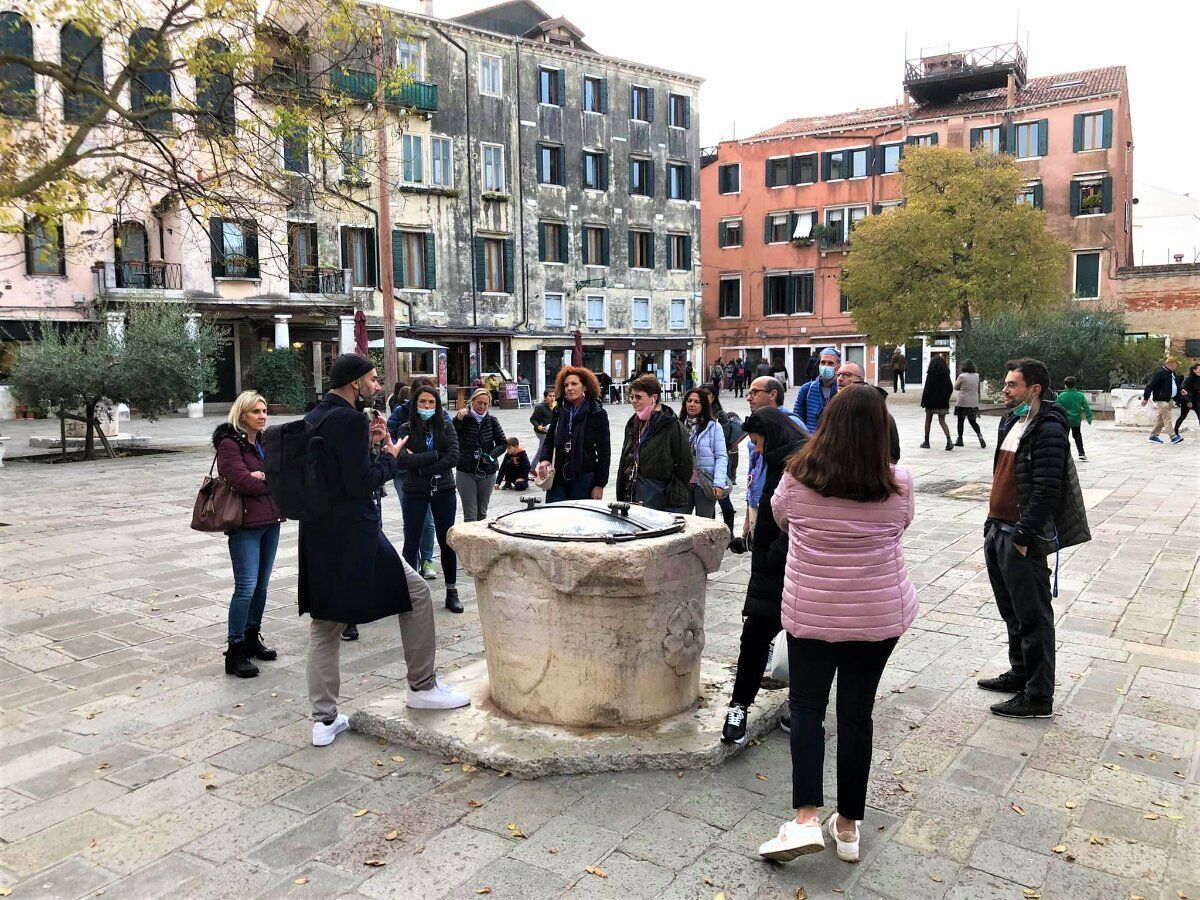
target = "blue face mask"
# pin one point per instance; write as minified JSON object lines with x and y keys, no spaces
{"x":826,"y":372}
{"x":426,"y":414}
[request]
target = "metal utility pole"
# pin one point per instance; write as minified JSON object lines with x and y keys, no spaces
{"x":386,"y":286}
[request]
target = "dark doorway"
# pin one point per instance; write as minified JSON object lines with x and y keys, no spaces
{"x":800,"y":358}
{"x":915,"y":373}
{"x":226,"y":390}
{"x":527,"y":368}
{"x":458,"y":363}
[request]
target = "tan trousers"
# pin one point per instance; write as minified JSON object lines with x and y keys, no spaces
{"x":1162,"y":417}
{"x":416,"y":634}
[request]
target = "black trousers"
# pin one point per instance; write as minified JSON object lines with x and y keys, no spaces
{"x":1077,"y":433}
{"x":858,"y":666}
{"x":1022,"y":588}
{"x":967,"y":414}
{"x":757,"y":634}
{"x":1183,"y":414}
{"x":897,"y":382}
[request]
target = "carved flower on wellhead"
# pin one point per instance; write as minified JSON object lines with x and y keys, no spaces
{"x":685,"y":637}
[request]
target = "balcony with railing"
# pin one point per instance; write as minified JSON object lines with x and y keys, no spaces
{"x":943,"y":76}
{"x":131,"y":277}
{"x":420,"y":95}
{"x":323,"y":282}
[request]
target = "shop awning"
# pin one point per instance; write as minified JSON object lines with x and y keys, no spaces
{"x":408,"y":344}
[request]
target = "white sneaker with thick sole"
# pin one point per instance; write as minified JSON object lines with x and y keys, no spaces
{"x":437,"y":697}
{"x":323,"y":734}
{"x":846,"y":850}
{"x":793,"y":840}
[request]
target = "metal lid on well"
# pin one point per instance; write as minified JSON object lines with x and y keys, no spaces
{"x":586,"y":520}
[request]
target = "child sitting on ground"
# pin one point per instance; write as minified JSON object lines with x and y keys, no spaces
{"x":514,"y":472}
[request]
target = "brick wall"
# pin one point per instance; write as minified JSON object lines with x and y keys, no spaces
{"x":1162,"y":300}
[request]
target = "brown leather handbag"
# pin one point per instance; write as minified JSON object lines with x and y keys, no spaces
{"x":218,"y":506}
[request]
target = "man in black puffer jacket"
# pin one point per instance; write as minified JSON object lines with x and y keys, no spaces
{"x":1036,"y":507}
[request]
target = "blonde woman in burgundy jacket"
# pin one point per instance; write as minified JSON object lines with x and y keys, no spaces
{"x":847,"y":598}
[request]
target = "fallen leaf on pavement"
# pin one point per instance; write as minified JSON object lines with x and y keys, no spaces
{"x":474,"y":804}
{"x":708,"y":881}
{"x":1174,"y":817}
{"x":597,"y":871}
{"x":801,"y":894}
{"x":361,"y":813}
{"x":467,"y":767}
{"x":391,"y":835}
{"x":1150,"y":816}
{"x":1098,"y":841}
{"x":397,"y":759}
{"x":379,"y":762}
{"x":937,"y":878}
{"x":760,"y":776}
{"x":1017,"y":809}
{"x":1070,"y":804}
{"x":720,"y":896}
{"x":5,"y":891}
{"x":208,"y":776}
{"x":1061,"y":848}
{"x":1163,"y":803}
{"x":375,"y":863}
{"x":1112,"y":767}
{"x":483,"y":890}
{"x":300,"y":881}
{"x":1031,"y":894}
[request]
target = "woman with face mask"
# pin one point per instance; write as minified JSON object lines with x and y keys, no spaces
{"x":430,"y":457}
{"x":710,"y":477}
{"x":656,"y":467}
{"x":481,"y":442}
{"x":577,"y":440}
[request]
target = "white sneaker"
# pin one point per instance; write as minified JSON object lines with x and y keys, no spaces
{"x":437,"y":697}
{"x":323,"y":734}
{"x":793,"y":840}
{"x":846,"y":850}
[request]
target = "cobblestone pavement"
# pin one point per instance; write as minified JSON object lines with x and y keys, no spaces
{"x":130,"y":766}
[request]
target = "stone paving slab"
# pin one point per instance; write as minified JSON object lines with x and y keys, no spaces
{"x":116,"y":710}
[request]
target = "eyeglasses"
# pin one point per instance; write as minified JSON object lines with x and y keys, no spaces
{"x":841,"y":376}
{"x":753,"y":391}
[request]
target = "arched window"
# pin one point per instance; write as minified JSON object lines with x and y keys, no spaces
{"x":214,"y":88}
{"x":150,"y":86}
{"x":18,"y":91}
{"x":82,"y":61}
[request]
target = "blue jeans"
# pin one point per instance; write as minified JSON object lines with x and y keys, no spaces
{"x":427,"y":533}
{"x":579,"y":488}
{"x":252,"y":551}
{"x":416,"y":508}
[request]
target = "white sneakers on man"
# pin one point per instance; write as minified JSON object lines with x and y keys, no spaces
{"x":323,"y":734}
{"x":846,"y":850}
{"x":793,"y":840}
{"x":437,"y":697}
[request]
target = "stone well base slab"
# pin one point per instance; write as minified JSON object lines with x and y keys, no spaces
{"x":482,"y":735}
{"x":43,"y":442}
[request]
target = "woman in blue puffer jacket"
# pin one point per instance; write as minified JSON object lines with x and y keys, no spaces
{"x":710,"y":479}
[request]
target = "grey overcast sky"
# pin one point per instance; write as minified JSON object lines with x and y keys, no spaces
{"x":764,"y":61}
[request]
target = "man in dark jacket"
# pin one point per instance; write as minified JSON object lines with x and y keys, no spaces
{"x":1163,"y":387}
{"x":349,"y":572}
{"x":541,"y":417}
{"x":1036,"y":507}
{"x":776,"y":436}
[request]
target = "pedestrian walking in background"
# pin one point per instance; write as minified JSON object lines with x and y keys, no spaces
{"x":1076,"y":406}
{"x":578,"y":444}
{"x":710,"y":477}
{"x":715,"y":375}
{"x":739,"y":377}
{"x":966,"y":408}
{"x":541,"y":416}
{"x":349,"y":573}
{"x":847,"y":599}
{"x":775,"y":436}
{"x":481,"y":441}
{"x":816,"y":393}
{"x":935,"y":398}
{"x":1189,"y":396}
{"x":655,"y":467}
{"x":731,"y":428}
{"x":1036,"y":508}
{"x":899,"y":367}
{"x":430,"y":455}
{"x":763,"y":368}
{"x":1163,"y":387}
{"x":692,"y":377}
{"x":514,"y":471}
{"x":397,"y":417}
{"x":252,"y":547}
{"x":812,"y":368}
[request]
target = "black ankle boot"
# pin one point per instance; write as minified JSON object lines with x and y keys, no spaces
{"x":958,"y":443}
{"x":255,"y":648}
{"x":452,"y":602}
{"x":237,"y":662}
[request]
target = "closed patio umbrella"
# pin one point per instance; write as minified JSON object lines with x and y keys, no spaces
{"x":360,"y":333}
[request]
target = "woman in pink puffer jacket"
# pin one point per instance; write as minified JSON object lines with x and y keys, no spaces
{"x":847,"y":599}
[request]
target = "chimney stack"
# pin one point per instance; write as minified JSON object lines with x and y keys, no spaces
{"x":427,"y":8}
{"x":1011,"y":98}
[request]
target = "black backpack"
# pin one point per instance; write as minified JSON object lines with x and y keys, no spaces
{"x":294,"y":461}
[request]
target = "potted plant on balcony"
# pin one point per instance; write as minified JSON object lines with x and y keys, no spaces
{"x":1091,"y":202}
{"x":804,"y":241}
{"x":827,"y":235}
{"x":276,"y":375}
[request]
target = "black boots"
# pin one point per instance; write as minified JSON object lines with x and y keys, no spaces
{"x":350,"y":633}
{"x":255,"y":648}
{"x":237,"y":662}
{"x":452,"y":602}
{"x":958,"y":443}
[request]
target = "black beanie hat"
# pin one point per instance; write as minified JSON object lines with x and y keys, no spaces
{"x":348,"y":367}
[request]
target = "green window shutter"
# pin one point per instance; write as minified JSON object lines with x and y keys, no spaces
{"x":603,"y":95}
{"x":649,"y":104}
{"x":974,"y":138}
{"x":541,"y":241}
{"x":687,"y":112}
{"x":372,"y":258}
{"x":216,"y":240}
{"x":603,"y":166}
{"x":632,"y":239}
{"x":790,"y":292}
{"x":1037,"y":196}
{"x":430,"y":262}
{"x":397,"y":259}
{"x":1078,"y":131}
{"x":1106,"y":191}
{"x":344,"y":241}
{"x":251,"y":232}
{"x":1074,"y":198}
{"x":911,"y":140}
{"x":29,"y":261}
{"x":770,"y":181}
{"x":826,"y":163}
{"x":687,"y":182}
{"x":794,"y":170}
{"x":583,"y":245}
{"x":604,"y":246}
{"x":510,"y":284}
{"x":1043,"y":127}
{"x":562,"y":242}
{"x":687,"y":251}
{"x":650,"y":241}
{"x":767,"y":230}
{"x":793,"y":221}
{"x":933,"y":139}
{"x":480,"y":265}
{"x":561,"y":75}
{"x":722,"y":234}
{"x":1008,"y":138}
{"x":1107,"y":129}
{"x":631,"y":168}
{"x":650,"y":179}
